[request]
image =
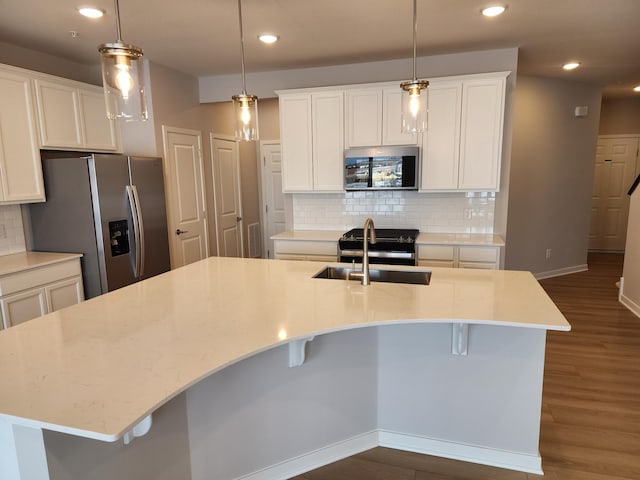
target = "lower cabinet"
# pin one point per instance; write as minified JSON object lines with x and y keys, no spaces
{"x":306,"y":250}
{"x":454,"y":256}
{"x":29,"y":294}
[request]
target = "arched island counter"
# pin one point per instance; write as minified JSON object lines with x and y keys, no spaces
{"x":216,"y":352}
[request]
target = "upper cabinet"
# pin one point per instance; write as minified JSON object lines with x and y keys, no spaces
{"x":374,"y":117}
{"x":441,"y":141}
{"x":72,"y":115}
{"x":462,"y":147}
{"x":481,"y":133}
{"x":312,"y":141}
{"x":20,"y":167}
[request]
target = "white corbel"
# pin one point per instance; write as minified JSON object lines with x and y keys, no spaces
{"x":140,"y":429}
{"x":459,"y":338}
{"x":297,"y":351}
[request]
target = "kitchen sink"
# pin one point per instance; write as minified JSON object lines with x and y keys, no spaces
{"x":415,"y":277}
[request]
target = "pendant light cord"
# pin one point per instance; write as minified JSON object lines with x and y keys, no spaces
{"x":117,"y":10}
{"x":415,"y":31}
{"x":244,"y":86}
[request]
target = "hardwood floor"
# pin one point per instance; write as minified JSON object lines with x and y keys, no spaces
{"x":591,"y":399}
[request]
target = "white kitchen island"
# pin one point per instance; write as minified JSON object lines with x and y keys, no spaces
{"x":208,"y":346}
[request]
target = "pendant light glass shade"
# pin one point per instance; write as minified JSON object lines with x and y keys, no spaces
{"x":414,"y":94}
{"x":414,"y":106}
{"x":123,"y":78}
{"x":245,"y":106}
{"x":245,"y":111}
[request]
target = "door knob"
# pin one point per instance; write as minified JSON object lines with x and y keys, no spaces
{"x":238,"y":219}
{"x":178,"y":231}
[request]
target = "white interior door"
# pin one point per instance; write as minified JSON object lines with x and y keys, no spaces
{"x":615,"y":170}
{"x":187,"y":220}
{"x":226,"y":184}
{"x":273,"y":207}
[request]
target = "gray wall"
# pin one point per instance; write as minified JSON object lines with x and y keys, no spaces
{"x":45,"y":63}
{"x":551,"y":181}
{"x":620,"y":116}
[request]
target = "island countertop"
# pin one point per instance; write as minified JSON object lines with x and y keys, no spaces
{"x":97,"y":368}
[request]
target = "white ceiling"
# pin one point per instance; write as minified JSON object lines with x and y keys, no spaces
{"x":201,"y":37}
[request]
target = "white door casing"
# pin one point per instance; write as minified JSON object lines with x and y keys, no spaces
{"x":227,"y":199}
{"x":273,"y":200}
{"x":615,"y":170}
{"x":187,"y":219}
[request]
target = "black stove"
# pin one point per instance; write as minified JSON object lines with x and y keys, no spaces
{"x":393,"y":246}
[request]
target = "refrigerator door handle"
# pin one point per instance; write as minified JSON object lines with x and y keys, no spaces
{"x":136,"y":229}
{"x":140,"y":230}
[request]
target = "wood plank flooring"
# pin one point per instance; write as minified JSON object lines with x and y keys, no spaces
{"x":591,"y":399}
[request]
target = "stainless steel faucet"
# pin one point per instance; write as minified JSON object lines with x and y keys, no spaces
{"x":369,"y":236}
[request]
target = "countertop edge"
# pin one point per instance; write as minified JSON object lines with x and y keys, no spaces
{"x":29,"y":260}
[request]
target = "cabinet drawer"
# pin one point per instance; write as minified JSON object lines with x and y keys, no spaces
{"x":436,"y":263}
{"x":436,"y":252}
{"x":478,"y":265}
{"x":288,"y":256}
{"x":305,"y":248}
{"x":23,"y":280}
{"x":323,"y":258}
{"x":478,"y":254}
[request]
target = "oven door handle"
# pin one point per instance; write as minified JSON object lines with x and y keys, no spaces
{"x":378,"y":254}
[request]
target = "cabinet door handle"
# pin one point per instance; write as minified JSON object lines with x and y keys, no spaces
{"x":178,"y":231}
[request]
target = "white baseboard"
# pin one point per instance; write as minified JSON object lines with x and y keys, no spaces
{"x":626,"y":301}
{"x":458,"y":451}
{"x":316,"y":459}
{"x":561,"y":271}
{"x":400,"y":441}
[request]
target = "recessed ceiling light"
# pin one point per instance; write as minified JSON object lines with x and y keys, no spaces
{"x":571,"y":65}
{"x":91,"y":12}
{"x":268,"y":38}
{"x":636,"y":88}
{"x":493,"y":10}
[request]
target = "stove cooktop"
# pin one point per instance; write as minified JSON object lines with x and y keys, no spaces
{"x":383,"y":235}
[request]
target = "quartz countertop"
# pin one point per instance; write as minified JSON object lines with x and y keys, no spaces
{"x":96,"y":369}
{"x":18,"y":262}
{"x":310,"y":235}
{"x":476,"y":239}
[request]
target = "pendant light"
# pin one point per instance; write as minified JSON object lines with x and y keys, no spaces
{"x":414,"y":93}
{"x":123,"y":78}
{"x":245,"y":107}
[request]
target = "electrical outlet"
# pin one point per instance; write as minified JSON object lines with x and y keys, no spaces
{"x":548,"y":254}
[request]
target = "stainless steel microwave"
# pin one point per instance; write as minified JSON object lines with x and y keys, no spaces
{"x":381,"y":168}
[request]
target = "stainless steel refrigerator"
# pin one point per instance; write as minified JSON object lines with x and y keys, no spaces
{"x":110,"y":208}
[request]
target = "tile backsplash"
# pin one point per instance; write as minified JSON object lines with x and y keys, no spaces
{"x":11,"y":230}
{"x":465,"y":212}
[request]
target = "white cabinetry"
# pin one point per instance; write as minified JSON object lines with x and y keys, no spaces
{"x":441,"y":141}
{"x":327,"y":119}
{"x":306,"y":250}
{"x":392,"y":133}
{"x":462,"y":148}
{"x":364,"y":117}
{"x":72,"y":115}
{"x":312,"y":139}
{"x":454,"y":256}
{"x":20,"y":167}
{"x":27,"y":294}
{"x":374,"y":117}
